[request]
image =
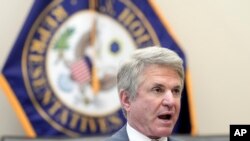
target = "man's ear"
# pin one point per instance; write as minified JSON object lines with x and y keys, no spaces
{"x":124,"y":99}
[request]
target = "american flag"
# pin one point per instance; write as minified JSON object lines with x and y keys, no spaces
{"x":80,"y":71}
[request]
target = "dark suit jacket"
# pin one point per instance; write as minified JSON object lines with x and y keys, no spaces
{"x":122,"y":135}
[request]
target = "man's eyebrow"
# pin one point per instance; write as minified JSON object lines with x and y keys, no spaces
{"x":178,"y":87}
{"x":158,"y":84}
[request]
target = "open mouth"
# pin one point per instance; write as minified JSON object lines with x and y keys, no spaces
{"x":165,"y":117}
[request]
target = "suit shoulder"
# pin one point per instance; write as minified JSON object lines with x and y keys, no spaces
{"x":120,"y":135}
{"x":174,"y":139}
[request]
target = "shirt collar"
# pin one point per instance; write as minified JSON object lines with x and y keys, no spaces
{"x":135,"y":135}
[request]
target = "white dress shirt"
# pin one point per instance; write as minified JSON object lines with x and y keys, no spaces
{"x":135,"y":135}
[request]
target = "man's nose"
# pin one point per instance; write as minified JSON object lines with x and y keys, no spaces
{"x":168,"y":99}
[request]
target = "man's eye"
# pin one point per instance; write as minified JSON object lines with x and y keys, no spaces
{"x":176,"y":92}
{"x":158,"y":90}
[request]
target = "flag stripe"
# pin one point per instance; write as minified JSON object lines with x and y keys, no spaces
{"x":194,"y":130}
{"x":80,"y":71}
{"x":17,"y":107}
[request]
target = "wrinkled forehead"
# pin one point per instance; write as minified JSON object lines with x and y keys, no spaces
{"x":151,"y":67}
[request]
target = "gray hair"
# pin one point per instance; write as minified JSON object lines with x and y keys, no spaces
{"x":130,"y":73}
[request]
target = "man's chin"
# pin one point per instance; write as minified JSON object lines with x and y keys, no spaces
{"x":165,"y":132}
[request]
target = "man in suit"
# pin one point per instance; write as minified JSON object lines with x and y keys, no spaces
{"x":150,"y":84}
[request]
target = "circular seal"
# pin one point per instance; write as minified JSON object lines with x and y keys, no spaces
{"x":70,"y":60}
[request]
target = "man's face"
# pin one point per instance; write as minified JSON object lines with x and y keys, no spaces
{"x":156,"y":107}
